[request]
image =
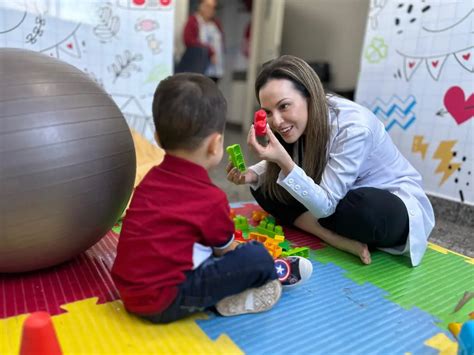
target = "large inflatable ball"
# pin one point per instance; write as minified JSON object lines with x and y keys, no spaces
{"x":67,"y":161}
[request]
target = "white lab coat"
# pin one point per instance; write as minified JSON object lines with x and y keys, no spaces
{"x":362,"y":154}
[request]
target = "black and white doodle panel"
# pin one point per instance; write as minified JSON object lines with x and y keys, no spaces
{"x":417,"y":70}
{"x":124,"y":45}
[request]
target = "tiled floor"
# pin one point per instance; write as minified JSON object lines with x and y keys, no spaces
{"x":454,"y":228}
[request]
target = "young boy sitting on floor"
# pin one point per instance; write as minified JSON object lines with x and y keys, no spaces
{"x":176,"y":253}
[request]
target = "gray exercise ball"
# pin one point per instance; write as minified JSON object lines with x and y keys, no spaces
{"x":67,"y":161}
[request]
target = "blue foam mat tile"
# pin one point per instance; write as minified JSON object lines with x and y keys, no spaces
{"x":330,"y":314}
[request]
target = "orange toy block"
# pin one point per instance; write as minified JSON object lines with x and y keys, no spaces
{"x":277,"y":252}
{"x":257,"y":215}
{"x":273,"y":248}
{"x":269,"y":243}
{"x":258,"y":237}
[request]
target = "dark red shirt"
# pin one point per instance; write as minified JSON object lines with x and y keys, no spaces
{"x":175,"y":207}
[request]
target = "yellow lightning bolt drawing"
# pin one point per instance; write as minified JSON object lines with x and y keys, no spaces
{"x":445,"y":154}
{"x":419,"y":146}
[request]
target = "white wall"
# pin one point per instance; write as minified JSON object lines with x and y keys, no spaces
{"x":234,"y":19}
{"x":327,"y":30}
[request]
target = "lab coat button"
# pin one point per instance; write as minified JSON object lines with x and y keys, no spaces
{"x":412,"y":212}
{"x":290,"y":180}
{"x":305,"y":193}
{"x":297,"y":187}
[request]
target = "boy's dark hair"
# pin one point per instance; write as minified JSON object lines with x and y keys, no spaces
{"x":187,"y":108}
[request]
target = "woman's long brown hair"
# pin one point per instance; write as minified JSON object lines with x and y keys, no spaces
{"x":317,"y":132}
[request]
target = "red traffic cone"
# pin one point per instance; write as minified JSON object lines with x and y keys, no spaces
{"x":39,"y":337}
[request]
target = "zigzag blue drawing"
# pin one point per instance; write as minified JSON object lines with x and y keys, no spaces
{"x":394,"y":112}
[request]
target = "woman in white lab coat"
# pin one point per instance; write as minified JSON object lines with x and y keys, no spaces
{"x":331,"y":169}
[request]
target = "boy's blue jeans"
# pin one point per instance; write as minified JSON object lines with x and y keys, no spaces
{"x":248,"y":266}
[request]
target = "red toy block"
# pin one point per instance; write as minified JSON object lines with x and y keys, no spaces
{"x":238,"y":236}
{"x":39,"y":337}
{"x":260,"y":123}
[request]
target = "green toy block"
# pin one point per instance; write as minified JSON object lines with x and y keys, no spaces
{"x":302,"y":251}
{"x":236,"y":156}
{"x":117,"y":227}
{"x":285,"y":245}
{"x":270,"y":219}
{"x":241,"y":223}
{"x":269,"y":229}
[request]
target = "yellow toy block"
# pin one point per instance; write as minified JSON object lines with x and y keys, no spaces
{"x":279,"y":238}
{"x":454,"y":328}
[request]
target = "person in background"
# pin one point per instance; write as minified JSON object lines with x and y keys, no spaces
{"x":203,"y":30}
{"x":331,"y":169}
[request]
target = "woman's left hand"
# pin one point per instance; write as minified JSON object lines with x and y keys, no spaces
{"x":273,"y":151}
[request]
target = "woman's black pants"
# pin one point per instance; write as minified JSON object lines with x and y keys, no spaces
{"x":372,"y":216}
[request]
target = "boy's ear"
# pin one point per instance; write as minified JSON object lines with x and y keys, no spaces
{"x":215,"y":142}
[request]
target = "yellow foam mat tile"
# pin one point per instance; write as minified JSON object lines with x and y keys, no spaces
{"x":443,"y":250}
{"x":107,"y":328}
{"x":443,"y":344}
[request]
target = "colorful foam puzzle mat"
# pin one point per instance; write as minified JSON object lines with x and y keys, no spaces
{"x":346,"y":307}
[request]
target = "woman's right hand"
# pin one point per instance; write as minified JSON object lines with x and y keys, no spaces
{"x":240,"y":178}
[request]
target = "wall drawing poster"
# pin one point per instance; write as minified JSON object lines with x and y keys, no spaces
{"x":126,"y":46}
{"x":417,"y":75}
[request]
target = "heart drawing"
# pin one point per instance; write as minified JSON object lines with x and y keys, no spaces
{"x":458,"y":106}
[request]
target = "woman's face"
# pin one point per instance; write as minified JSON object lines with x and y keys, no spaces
{"x":286,"y":108}
{"x":207,"y":9}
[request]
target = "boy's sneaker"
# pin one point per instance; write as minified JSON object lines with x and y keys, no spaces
{"x":253,"y":300}
{"x":293,"y":270}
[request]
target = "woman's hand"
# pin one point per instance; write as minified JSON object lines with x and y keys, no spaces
{"x":273,"y":151}
{"x":237,"y":177}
